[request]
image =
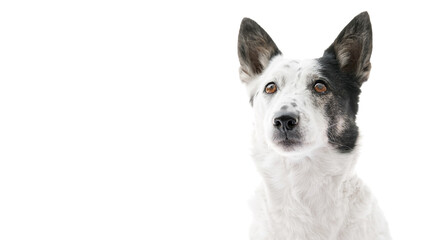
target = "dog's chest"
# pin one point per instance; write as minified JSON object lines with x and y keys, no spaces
{"x":291,"y":217}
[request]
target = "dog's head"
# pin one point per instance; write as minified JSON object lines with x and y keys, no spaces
{"x":304,"y":105}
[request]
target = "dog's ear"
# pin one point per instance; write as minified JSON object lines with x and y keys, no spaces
{"x":353,"y":47}
{"x":255,"y":49}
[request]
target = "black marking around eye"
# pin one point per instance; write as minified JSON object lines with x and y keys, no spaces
{"x":340,"y":103}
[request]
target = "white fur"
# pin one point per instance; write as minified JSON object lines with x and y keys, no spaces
{"x":311,"y":193}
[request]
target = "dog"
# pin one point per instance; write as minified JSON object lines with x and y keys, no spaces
{"x":305,"y":138}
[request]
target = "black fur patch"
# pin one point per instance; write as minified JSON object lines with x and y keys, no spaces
{"x":341,"y":102}
{"x":346,"y":65}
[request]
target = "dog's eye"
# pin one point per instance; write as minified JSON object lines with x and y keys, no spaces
{"x":320,"y":87}
{"x":270,"y":88}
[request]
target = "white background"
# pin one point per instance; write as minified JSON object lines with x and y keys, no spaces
{"x":127,"y":119}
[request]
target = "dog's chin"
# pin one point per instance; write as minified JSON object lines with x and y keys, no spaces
{"x":290,"y":147}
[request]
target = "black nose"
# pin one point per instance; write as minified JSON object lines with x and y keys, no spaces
{"x":286,"y":122}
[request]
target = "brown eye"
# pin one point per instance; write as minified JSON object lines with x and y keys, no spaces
{"x":320,"y":87}
{"x":270,"y":88}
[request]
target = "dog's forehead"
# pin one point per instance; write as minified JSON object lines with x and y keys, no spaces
{"x":284,"y":70}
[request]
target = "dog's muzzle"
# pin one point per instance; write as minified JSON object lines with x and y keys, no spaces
{"x":287,"y":133}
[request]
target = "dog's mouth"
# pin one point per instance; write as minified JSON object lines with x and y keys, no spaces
{"x":288,"y":139}
{"x":288,"y":144}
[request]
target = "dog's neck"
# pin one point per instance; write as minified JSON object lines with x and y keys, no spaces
{"x":313,"y":179}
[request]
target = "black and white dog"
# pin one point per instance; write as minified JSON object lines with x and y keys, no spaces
{"x":305,"y":137}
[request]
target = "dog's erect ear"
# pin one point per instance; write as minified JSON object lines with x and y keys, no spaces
{"x":353,"y":47}
{"x":255,"y":49}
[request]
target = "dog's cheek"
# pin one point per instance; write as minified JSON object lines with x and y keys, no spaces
{"x":315,"y":119}
{"x":342,"y":130}
{"x":268,"y":123}
{"x":259,"y":116}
